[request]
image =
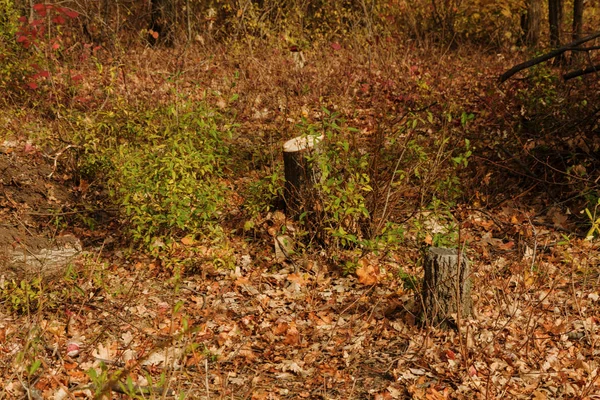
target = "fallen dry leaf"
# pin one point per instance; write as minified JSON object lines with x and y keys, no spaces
{"x":368,"y":274}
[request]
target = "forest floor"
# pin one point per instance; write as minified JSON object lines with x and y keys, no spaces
{"x":113,"y":323}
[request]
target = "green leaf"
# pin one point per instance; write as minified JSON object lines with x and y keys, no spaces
{"x":178,"y":306}
{"x":34,"y":367}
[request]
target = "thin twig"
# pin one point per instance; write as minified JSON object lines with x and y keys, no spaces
{"x":342,"y":313}
{"x":206,"y":378}
{"x":58,"y":155}
{"x":390,"y":184}
{"x":535,"y":243}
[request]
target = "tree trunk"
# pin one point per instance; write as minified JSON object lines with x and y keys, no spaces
{"x":300,"y":175}
{"x":446,"y":287}
{"x":577,"y":19}
{"x":554,"y":18}
{"x":531,"y":21}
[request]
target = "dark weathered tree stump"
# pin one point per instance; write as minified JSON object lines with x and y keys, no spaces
{"x":300,"y":174}
{"x":446,"y":287}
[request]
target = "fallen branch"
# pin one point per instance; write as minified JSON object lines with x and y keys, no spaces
{"x":580,"y":72}
{"x":545,"y":57}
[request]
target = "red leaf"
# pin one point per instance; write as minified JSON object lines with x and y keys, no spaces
{"x":336,"y":46}
{"x":37,"y":22}
{"x":70,"y":13}
{"x":59,"y":20}
{"x":44,"y":74}
{"x":55,"y":46}
{"x":41,"y":9}
{"x":22,"y":19}
{"x":32,"y":85}
{"x":77,"y":77}
{"x":29,"y":148}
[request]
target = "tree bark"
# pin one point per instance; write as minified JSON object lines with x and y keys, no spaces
{"x":446,"y":288}
{"x":554,"y":18}
{"x":300,"y":175}
{"x":531,"y":22}
{"x":577,"y":19}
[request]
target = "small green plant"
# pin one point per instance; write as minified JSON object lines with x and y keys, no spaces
{"x":33,"y":367}
{"x":594,"y":219}
{"x":462,"y":159}
{"x":262,"y":194}
{"x":350,"y":266}
{"x":409,"y":281}
{"x":99,"y":377}
{"x":388,"y":238}
{"x":436,"y":226}
{"x":24,"y":296}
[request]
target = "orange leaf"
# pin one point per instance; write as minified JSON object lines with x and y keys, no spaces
{"x":68,"y":366}
{"x":188,"y":240}
{"x":280,"y":329}
{"x":293,"y":336}
{"x":296,"y":278}
{"x":428,"y":239}
{"x":367,"y":273}
{"x":242,"y":281}
{"x":78,"y":375}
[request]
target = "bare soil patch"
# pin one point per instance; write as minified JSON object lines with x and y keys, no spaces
{"x":31,"y":203}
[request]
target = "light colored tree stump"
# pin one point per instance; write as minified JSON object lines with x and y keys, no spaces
{"x":300,"y":175}
{"x":446,"y":287}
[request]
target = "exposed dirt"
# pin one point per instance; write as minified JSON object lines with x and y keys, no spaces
{"x":31,"y":202}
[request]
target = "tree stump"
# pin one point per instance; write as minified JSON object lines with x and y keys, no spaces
{"x":446,"y":287}
{"x":300,"y":175}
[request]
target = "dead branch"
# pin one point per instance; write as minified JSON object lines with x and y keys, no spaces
{"x":580,"y":72}
{"x":545,"y":57}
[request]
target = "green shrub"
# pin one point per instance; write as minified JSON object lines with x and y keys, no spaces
{"x":24,"y":296}
{"x":164,"y":167}
{"x":339,"y":214}
{"x":9,"y":49}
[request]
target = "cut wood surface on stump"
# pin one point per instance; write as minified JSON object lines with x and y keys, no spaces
{"x":300,"y":175}
{"x":446,"y":287}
